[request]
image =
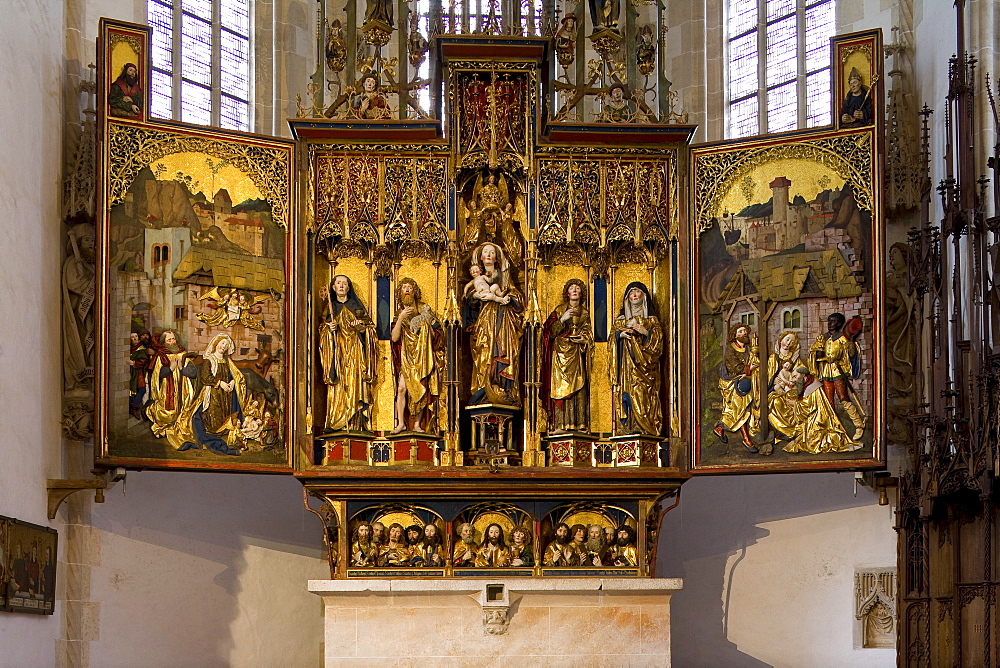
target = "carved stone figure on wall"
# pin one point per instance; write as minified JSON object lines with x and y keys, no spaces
{"x":856,"y":109}
{"x":417,"y":359}
{"x":496,"y":325}
{"x":348,"y":357}
{"x":79,"y":291}
{"x":125,"y":95}
{"x":464,"y":552}
{"x":900,"y":315}
{"x":369,"y":103}
{"x":212,"y":416}
{"x":566,"y":340}
{"x":493,"y":553}
{"x":637,"y":344}
{"x":738,"y":385}
{"x":604,"y":14}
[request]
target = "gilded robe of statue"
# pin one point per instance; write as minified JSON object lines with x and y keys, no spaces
{"x":492,"y":556}
{"x":417,"y":357}
{"x":738,"y":385}
{"x":566,"y":340}
{"x":212,"y":416}
{"x":635,"y":364}
{"x":347,"y":353}
{"x":496,"y":325}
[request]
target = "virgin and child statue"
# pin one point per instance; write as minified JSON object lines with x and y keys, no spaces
{"x":492,"y":313}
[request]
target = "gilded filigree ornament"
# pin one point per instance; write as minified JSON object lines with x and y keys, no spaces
{"x":848,"y":155}
{"x":133,"y":148}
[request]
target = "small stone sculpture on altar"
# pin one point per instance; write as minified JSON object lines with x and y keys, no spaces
{"x":637,"y":343}
{"x":348,"y":355}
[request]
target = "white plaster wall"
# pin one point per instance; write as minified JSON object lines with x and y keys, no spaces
{"x":205,"y":570}
{"x":768,"y":567}
{"x":30,"y":372}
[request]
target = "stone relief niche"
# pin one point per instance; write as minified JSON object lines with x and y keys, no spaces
{"x":875,"y":607}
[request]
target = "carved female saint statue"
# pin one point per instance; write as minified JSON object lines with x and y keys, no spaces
{"x":635,"y":364}
{"x":566,"y":340}
{"x":347,"y":353}
{"x":495,"y":321}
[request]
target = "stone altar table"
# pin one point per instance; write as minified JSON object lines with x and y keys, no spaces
{"x":502,"y":621}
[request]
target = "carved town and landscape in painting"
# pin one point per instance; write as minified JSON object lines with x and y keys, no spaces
{"x":462,"y":316}
{"x":789,"y":334}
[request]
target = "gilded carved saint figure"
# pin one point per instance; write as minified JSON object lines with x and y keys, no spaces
{"x":785,"y":383}
{"x":433,"y":548}
{"x":567,"y":338}
{"x":364,"y":551}
{"x":464,"y":552}
{"x":369,"y":103}
{"x":496,"y":324}
{"x":738,"y":385}
{"x":348,"y":356}
{"x":493,"y":553}
{"x":624,"y":551}
{"x":597,"y":547}
{"x":559,"y":552}
{"x":169,"y":389}
{"x":604,"y":14}
{"x":395,"y":552}
{"x":417,"y":357}
{"x":836,"y":359}
{"x":637,"y":344}
{"x":521,"y":552}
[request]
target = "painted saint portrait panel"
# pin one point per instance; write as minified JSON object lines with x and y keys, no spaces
{"x":856,"y":79}
{"x":126,"y":71}
{"x":195,"y":255}
{"x":788,"y":322}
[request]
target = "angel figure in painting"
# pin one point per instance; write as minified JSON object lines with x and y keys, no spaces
{"x":637,"y":344}
{"x":566,"y":340}
{"x":493,"y":553}
{"x":211,"y":417}
{"x":496,"y":325}
{"x":418,"y":357}
{"x":231,"y":309}
{"x":348,"y":356}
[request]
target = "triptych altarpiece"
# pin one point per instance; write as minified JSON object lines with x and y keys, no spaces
{"x":487,"y":343}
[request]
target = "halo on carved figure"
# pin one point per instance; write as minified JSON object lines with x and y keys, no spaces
{"x":405,"y":514}
{"x":587,"y":513}
{"x":481,"y":515}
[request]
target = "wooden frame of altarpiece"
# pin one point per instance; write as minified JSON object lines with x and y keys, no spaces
{"x":217,"y":253}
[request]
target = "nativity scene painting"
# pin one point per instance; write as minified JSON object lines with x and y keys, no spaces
{"x":788,"y":326}
{"x":196,"y":308}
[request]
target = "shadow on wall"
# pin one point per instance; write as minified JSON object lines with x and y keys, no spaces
{"x":206,"y":569}
{"x":706,"y":537}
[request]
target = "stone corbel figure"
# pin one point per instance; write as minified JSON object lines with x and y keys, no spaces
{"x":348,"y":356}
{"x":637,"y":343}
